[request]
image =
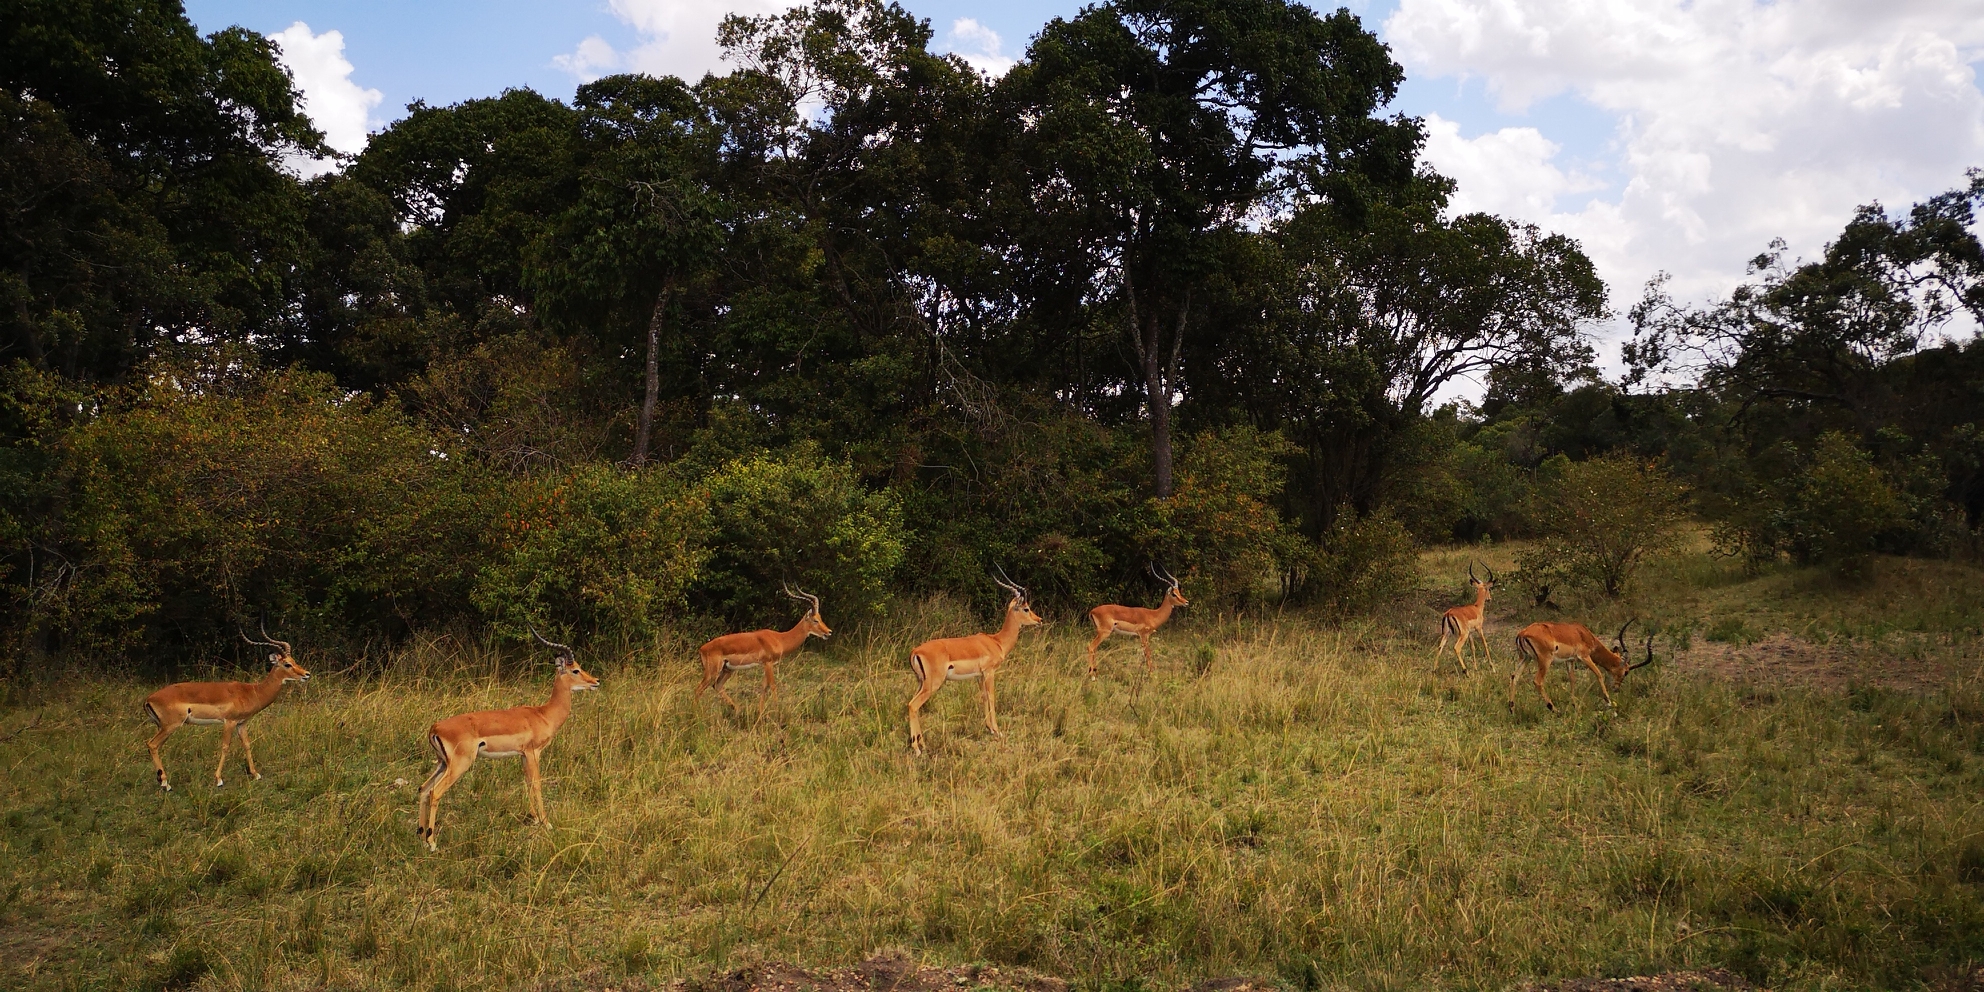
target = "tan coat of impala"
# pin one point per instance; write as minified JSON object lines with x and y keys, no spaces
{"x":519,"y":730}
{"x":1544,"y":643}
{"x":957,"y":659}
{"x":1464,"y":623}
{"x":1111,"y":618}
{"x":730,"y":653}
{"x":229,"y":704}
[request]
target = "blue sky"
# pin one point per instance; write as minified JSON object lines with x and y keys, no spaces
{"x":1675,"y":136}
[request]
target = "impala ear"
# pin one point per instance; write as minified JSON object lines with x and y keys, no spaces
{"x":275,"y":658}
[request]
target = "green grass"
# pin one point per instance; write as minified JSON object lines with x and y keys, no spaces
{"x":1287,"y":797}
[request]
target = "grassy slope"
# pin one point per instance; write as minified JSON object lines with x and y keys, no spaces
{"x":1290,"y":797}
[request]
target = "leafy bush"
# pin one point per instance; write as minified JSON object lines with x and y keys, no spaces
{"x":1599,"y":520}
{"x":211,"y":496}
{"x":1220,"y":527}
{"x":594,"y":549}
{"x":1837,"y":509}
{"x":1361,"y":561}
{"x":797,"y":517}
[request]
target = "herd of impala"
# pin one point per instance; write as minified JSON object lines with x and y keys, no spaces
{"x":527,"y":730}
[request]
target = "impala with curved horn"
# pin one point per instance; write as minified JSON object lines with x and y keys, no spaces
{"x":519,"y":730}
{"x":229,"y":704}
{"x":1111,"y":618}
{"x":725,"y":655}
{"x":1545,"y":642}
{"x":1464,"y":623}
{"x":977,"y":656}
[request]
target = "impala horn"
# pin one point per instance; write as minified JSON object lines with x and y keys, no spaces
{"x":1011,"y":586}
{"x":267,"y":640}
{"x":564,"y":650}
{"x":1470,"y":573}
{"x":1649,"y":654}
{"x":802,"y":595}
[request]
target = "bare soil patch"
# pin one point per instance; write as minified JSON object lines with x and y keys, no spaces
{"x":882,"y":973}
{"x":1673,"y":981}
{"x":1786,"y":660}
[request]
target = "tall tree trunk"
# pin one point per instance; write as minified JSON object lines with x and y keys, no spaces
{"x":644,"y":427}
{"x":1160,"y":379}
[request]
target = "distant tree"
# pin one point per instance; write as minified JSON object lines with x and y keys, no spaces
{"x":1150,"y":130}
{"x":1598,"y":521}
{"x":142,"y":198}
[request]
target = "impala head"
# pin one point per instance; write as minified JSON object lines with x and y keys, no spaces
{"x":1481,"y":585}
{"x":283,"y":658}
{"x":1022,"y":602}
{"x":1646,"y":650}
{"x":1172,"y":594}
{"x":815,"y":627}
{"x":568,"y":664}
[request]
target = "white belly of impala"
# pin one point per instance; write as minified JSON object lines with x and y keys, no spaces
{"x":203,"y":721}
{"x":961,"y":676}
{"x":737,"y":666}
{"x":500,"y":754}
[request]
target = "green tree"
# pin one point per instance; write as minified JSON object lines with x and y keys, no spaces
{"x":1599,"y":520}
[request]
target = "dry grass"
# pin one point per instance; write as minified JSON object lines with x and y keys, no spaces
{"x":1287,"y":797}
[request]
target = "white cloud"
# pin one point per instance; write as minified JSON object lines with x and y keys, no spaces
{"x":1509,"y":172}
{"x":339,"y":107}
{"x":592,"y":59}
{"x":1737,"y":121}
{"x":978,"y":45}
{"x":678,"y":38}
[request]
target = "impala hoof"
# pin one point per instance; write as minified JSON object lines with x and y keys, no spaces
{"x":218,"y":783}
{"x":167,"y":786}
{"x":257,"y":776}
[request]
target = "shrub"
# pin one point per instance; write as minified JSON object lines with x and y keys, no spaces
{"x":1599,"y":520}
{"x":1836,"y":509}
{"x":1220,"y":527}
{"x":210,"y":496}
{"x":797,"y":517}
{"x":1361,"y":561}
{"x":594,"y":549}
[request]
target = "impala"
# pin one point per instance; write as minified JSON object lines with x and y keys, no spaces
{"x":519,"y":730}
{"x":1546,"y":642}
{"x":733,"y":652}
{"x":229,"y":704}
{"x":1463,"y":623}
{"x":978,"y":656}
{"x":1111,"y":618}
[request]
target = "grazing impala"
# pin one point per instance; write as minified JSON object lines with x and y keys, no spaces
{"x":1463,"y":623}
{"x":955,"y":659}
{"x":1547,"y":642}
{"x":519,"y":730}
{"x":1113,"y":619}
{"x":732,"y":652}
{"x":229,"y":704}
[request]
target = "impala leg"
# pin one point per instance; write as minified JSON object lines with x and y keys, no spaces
{"x":534,"y":785}
{"x":1542,"y":673}
{"x":1102,"y":631}
{"x":721,"y":692}
{"x":712,"y":672}
{"x":1459,"y":644}
{"x":1481,"y":632}
{"x":923,"y":694}
{"x":991,"y":695}
{"x":457,"y":765}
{"x":226,"y":737}
{"x":771,"y":686}
{"x":1596,"y":671}
{"x":1149,"y":669}
{"x":440,"y":768}
{"x":241,"y":731}
{"x":165,"y":730}
{"x":1441,"y":650}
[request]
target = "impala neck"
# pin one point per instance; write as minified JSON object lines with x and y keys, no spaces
{"x":1164,"y":609}
{"x":1480,"y":596}
{"x":1009,"y":634}
{"x":559,"y":706}
{"x":270,"y":684}
{"x":788,"y":640}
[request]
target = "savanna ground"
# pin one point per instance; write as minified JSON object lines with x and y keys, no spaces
{"x":1790,"y":793}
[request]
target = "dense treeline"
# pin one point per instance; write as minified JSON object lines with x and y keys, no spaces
{"x":1177,"y":287}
